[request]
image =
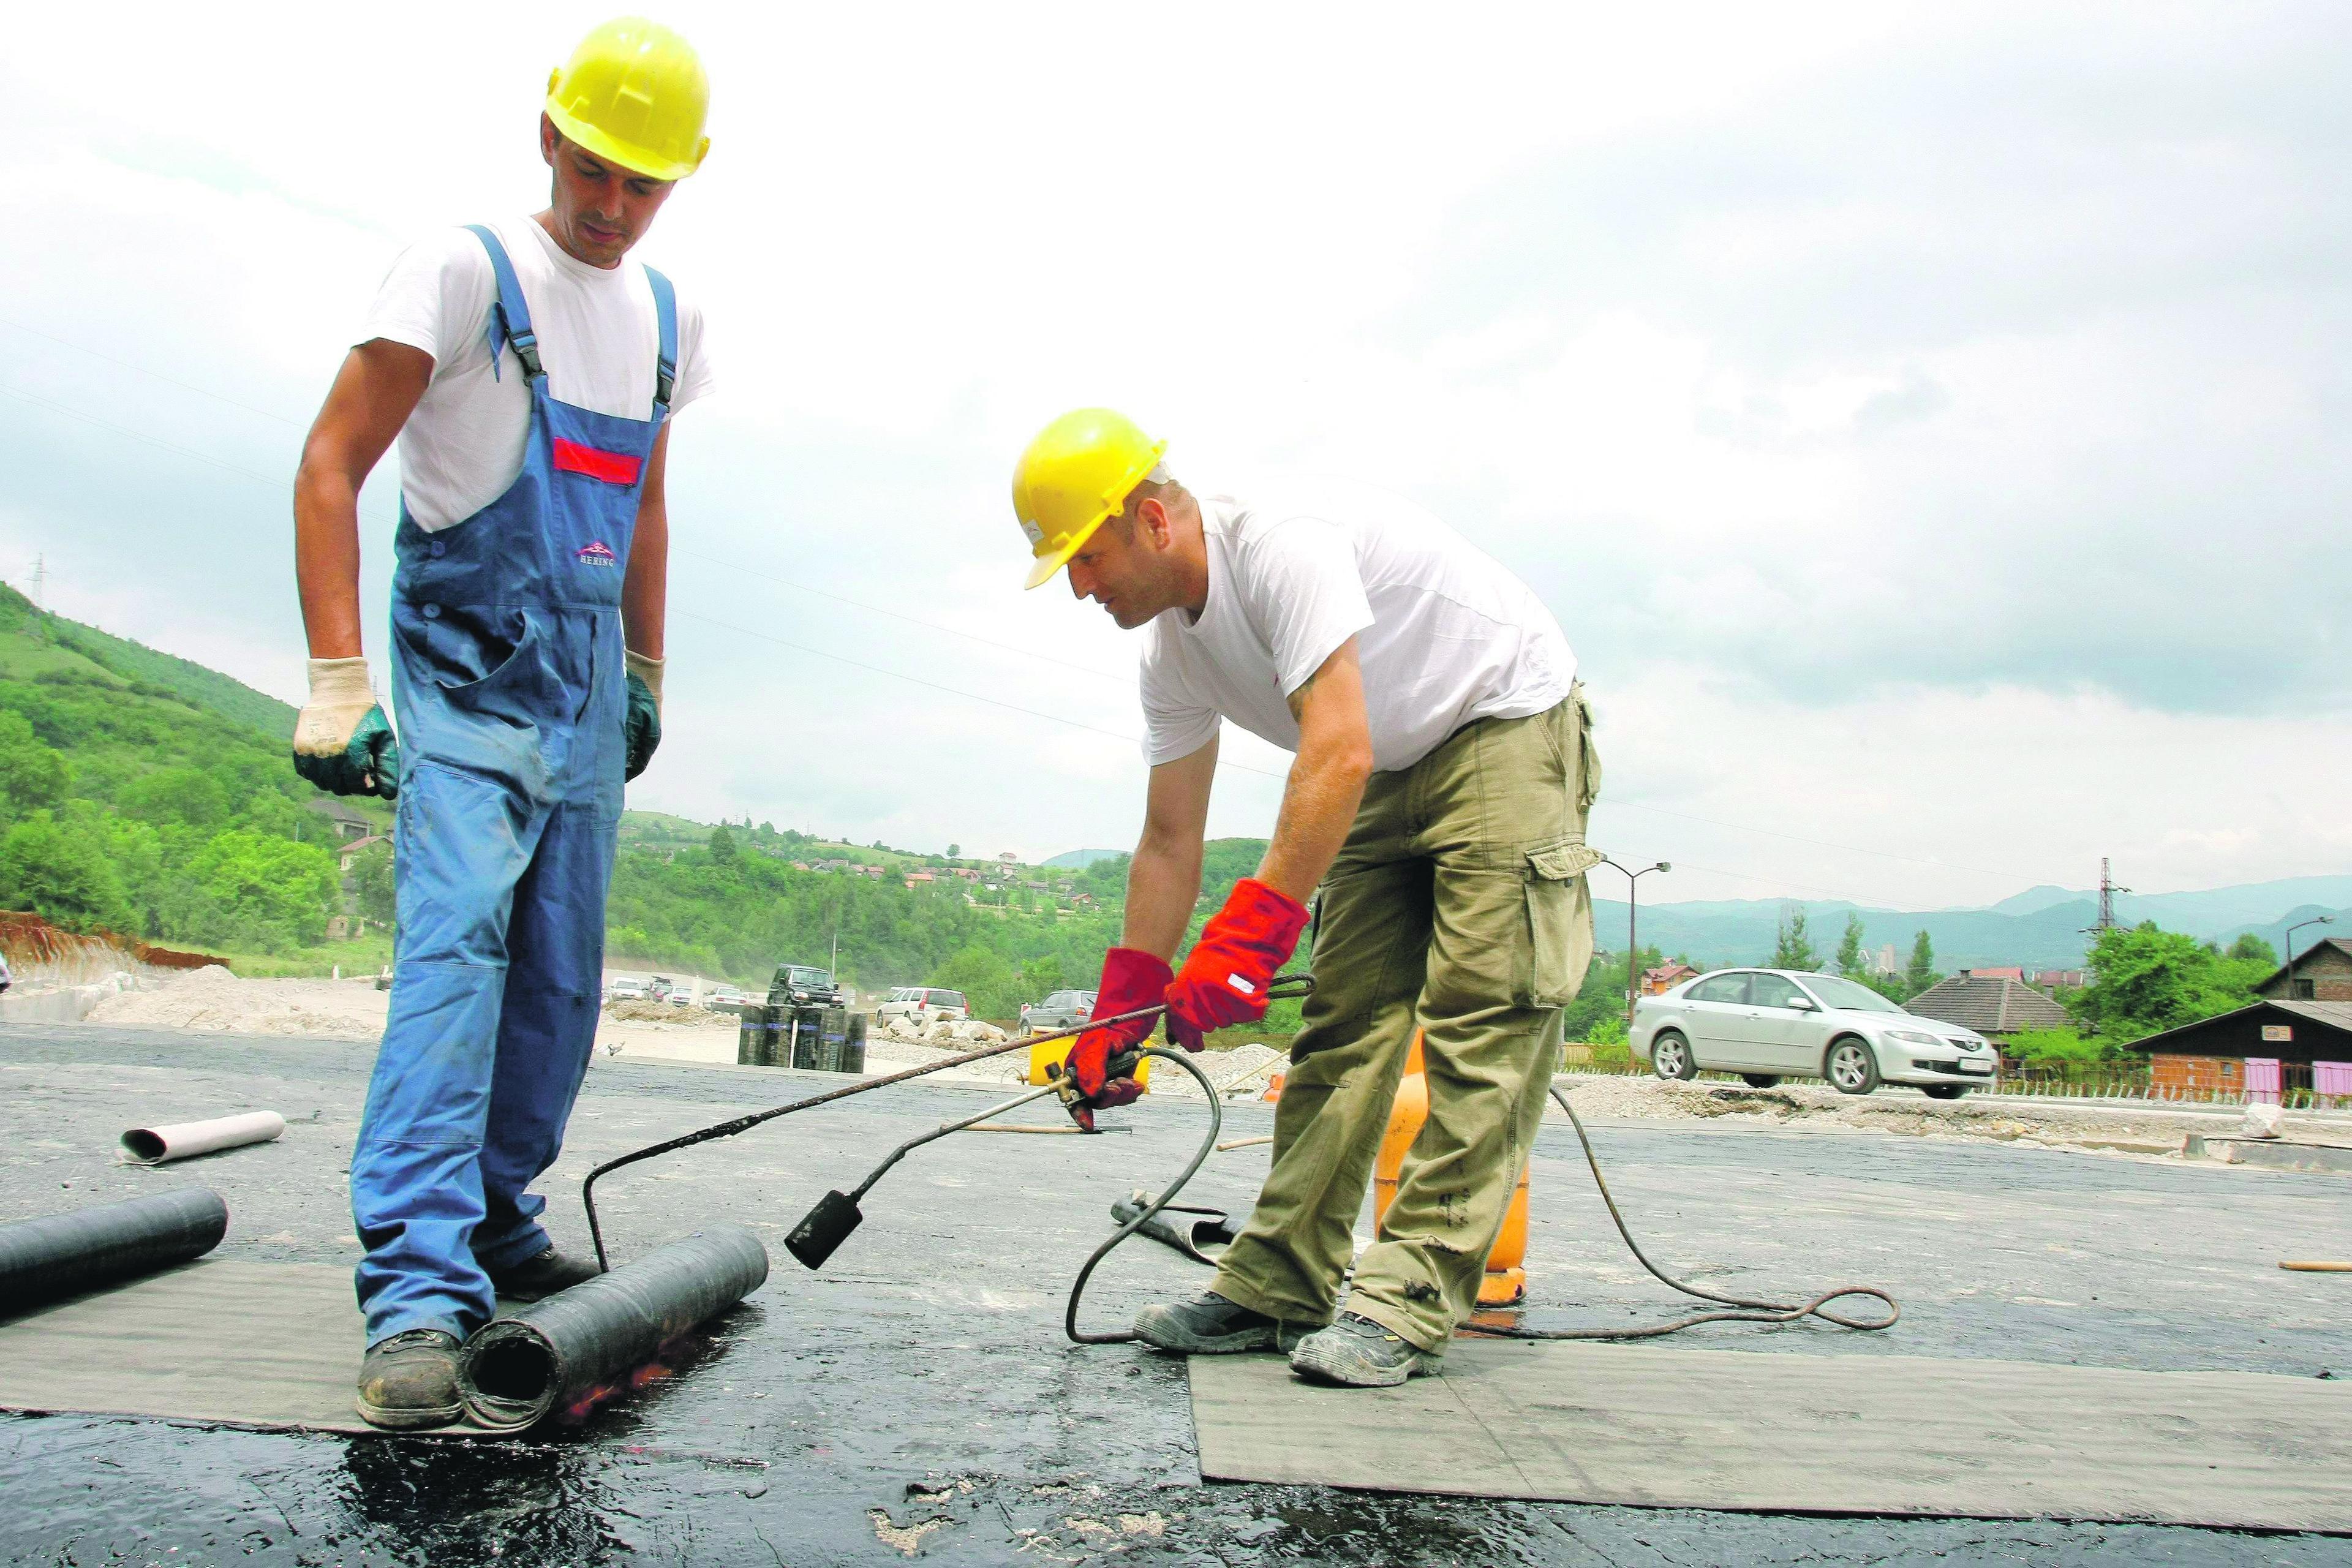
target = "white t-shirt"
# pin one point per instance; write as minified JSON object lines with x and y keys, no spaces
{"x":598,"y":338}
{"x":1443,"y":633}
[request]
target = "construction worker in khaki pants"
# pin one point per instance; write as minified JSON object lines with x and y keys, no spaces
{"x":1436,"y":811}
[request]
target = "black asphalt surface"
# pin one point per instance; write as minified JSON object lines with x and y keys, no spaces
{"x":919,"y":1395}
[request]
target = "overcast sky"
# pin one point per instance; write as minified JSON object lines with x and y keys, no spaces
{"x":1931,"y":430}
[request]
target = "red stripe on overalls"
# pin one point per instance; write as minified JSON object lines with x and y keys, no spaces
{"x":612,"y":468}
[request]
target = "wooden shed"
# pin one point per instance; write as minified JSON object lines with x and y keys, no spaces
{"x":2262,"y":1050}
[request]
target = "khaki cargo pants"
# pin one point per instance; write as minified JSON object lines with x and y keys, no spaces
{"x":1457,"y":903}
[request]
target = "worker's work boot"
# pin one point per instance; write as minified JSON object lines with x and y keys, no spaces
{"x":410,"y":1380}
{"x":1357,"y":1352}
{"x":543,"y":1276}
{"x":1210,"y":1325}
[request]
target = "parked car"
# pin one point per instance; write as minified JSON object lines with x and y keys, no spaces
{"x":1061,"y":1010}
{"x":659,"y":987}
{"x":725,"y":999}
{"x":923,"y":1005}
{"x":628,"y":988}
{"x":1771,"y":1024}
{"x":802,"y":985}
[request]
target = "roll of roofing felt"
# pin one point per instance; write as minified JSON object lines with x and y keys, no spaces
{"x":62,"y":1253}
{"x":564,"y":1351}
{"x":158,"y":1145}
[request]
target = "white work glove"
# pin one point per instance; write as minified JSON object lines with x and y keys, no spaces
{"x":343,"y":741}
{"x":641,"y":725}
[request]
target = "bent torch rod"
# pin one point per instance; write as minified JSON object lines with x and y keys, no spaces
{"x":745,"y":1124}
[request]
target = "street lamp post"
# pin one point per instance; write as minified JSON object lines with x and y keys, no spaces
{"x":2313,"y":920}
{"x":1633,"y":927}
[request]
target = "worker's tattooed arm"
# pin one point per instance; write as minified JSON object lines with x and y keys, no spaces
{"x":1326,"y":780}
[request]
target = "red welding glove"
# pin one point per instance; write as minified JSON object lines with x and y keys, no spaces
{"x":1224,"y":982}
{"x":1131,"y":978}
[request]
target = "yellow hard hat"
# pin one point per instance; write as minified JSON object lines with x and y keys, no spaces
{"x":1073,"y":478}
{"x":635,"y":94}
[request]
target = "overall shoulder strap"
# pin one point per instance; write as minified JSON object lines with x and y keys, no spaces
{"x":666,"y":366}
{"x":510,"y":314}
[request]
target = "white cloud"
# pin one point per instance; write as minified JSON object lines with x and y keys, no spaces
{"x":1961,"y":389}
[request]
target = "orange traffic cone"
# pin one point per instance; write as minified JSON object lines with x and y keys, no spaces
{"x":1507,"y":1281}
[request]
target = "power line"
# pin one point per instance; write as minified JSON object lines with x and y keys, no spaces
{"x":1822,"y":843}
{"x":952,"y":631}
{"x":735,"y":565}
{"x":143,"y":370}
{"x":950,"y":690}
{"x":682,"y":550}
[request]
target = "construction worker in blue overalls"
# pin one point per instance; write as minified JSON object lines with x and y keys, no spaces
{"x":529,"y":376}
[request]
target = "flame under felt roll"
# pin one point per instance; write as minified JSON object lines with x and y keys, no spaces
{"x":60,"y":1254}
{"x":155,"y":1146}
{"x":516,"y":1371}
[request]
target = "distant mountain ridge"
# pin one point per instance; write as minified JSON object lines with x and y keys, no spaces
{"x":1079,"y":859}
{"x":2043,"y":927}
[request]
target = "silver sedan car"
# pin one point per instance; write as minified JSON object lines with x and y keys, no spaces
{"x":1771,"y":1024}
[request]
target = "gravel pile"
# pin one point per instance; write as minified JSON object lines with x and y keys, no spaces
{"x":213,"y":999}
{"x":644,"y":1010}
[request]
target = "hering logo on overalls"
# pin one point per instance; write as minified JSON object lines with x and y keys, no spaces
{"x":596,"y":553}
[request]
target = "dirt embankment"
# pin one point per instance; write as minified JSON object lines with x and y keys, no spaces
{"x":215,"y":1001}
{"x":212,"y":998}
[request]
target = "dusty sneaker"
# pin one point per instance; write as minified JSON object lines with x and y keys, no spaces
{"x":543,"y":1276}
{"x":1357,"y":1352}
{"x":1211,"y":1325}
{"x":410,"y":1380}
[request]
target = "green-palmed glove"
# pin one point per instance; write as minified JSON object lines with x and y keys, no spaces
{"x":343,"y":741}
{"x":643,"y":723}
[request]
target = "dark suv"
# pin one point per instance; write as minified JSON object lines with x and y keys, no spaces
{"x":798,"y":985}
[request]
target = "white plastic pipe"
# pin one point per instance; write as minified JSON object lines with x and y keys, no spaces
{"x":157,"y":1145}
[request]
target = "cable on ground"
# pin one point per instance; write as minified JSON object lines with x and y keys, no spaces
{"x":1739,"y":1308}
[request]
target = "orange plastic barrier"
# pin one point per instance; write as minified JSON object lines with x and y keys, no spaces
{"x":1506,"y":1278}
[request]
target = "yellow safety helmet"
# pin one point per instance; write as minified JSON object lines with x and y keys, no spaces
{"x":635,"y":93}
{"x":1073,"y":478}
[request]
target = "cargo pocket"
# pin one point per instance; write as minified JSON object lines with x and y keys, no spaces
{"x":1558,"y":942}
{"x":1587,"y":786}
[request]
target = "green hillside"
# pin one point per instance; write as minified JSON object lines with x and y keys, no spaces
{"x":148,"y":794}
{"x":72,"y":647}
{"x":153,"y":796}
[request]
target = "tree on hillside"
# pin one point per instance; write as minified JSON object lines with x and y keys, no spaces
{"x":371,"y":884}
{"x":1793,"y":949}
{"x":1850,"y":962}
{"x":990,"y":985}
{"x":32,"y":776}
{"x":2145,"y":980}
{"x":1922,"y":972}
{"x":262,"y":893}
{"x":2252,"y":948}
{"x":182,"y":795}
{"x":1106,"y":878}
{"x":1598,"y":1013}
{"x":723,"y":851}
{"x":955,"y":851}
{"x":61,"y":871}
{"x":1042,"y":974}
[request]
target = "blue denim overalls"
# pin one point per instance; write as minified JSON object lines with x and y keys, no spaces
{"x":507,"y":678}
